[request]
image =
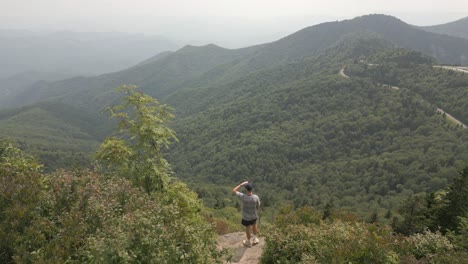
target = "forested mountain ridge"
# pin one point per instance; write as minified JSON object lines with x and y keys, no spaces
{"x":356,"y":168}
{"x":202,"y":97}
{"x":60,"y":135}
{"x":192,"y":67}
{"x":318,"y":137}
{"x":457,"y":28}
{"x":158,"y":77}
{"x":315,"y":38}
{"x":17,"y":83}
{"x":279,"y":113}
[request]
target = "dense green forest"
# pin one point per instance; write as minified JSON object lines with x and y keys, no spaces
{"x":61,"y":135}
{"x":129,"y":210}
{"x":366,"y":158}
{"x":318,"y":137}
{"x":443,"y":88}
{"x":435,"y":228}
{"x":298,"y":128}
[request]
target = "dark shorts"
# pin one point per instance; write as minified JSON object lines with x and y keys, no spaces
{"x":248,"y":223}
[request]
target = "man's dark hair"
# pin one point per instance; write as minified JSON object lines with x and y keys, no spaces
{"x":249,"y":186}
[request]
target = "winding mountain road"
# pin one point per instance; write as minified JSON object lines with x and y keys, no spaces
{"x":453,"y":68}
{"x":451,"y":118}
{"x":438,"y":110}
{"x":344,"y":74}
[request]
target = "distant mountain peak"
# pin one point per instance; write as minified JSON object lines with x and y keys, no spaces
{"x":458,"y":28}
{"x":379,"y":16}
{"x":191,"y":48}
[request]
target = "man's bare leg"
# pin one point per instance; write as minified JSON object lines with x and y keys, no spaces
{"x":255,"y":239}
{"x":247,"y":242}
{"x":247,"y":231}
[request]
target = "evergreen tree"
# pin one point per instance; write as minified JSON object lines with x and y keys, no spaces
{"x":456,"y":204}
{"x":328,"y":210}
{"x":413,"y":212}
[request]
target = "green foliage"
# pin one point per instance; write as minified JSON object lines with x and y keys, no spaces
{"x":21,"y":186}
{"x":300,"y":216}
{"x":425,"y":244}
{"x":443,"y":210}
{"x":60,"y":136}
{"x":85,"y":217}
{"x":349,"y":241}
{"x":443,"y":88}
{"x":414,"y":212}
{"x":137,"y":153}
{"x":278,"y":114}
{"x":402,"y":57}
{"x":281,"y":115}
{"x":456,"y":205}
{"x":328,"y":242}
{"x":319,"y":138}
{"x":460,"y":237}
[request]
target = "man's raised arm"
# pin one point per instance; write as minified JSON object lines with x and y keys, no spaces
{"x":234,"y":191}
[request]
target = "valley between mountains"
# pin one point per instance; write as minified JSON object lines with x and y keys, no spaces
{"x":352,"y":164}
{"x":278,"y":113}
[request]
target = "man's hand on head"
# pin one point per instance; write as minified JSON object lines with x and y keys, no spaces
{"x":244,"y":183}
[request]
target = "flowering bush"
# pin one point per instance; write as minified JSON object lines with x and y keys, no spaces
{"x":425,"y":245}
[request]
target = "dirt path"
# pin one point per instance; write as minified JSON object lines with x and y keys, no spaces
{"x":439,"y":110}
{"x":240,"y":253}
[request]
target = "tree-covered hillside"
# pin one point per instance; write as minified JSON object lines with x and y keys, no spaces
{"x":59,"y":135}
{"x":159,"y":77}
{"x":443,"y":88}
{"x":319,"y":137}
{"x":128,"y":209}
{"x":17,"y":83}
{"x":457,"y":28}
{"x":281,"y":114}
{"x":194,"y":67}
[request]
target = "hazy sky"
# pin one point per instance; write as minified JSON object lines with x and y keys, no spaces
{"x":228,"y":23}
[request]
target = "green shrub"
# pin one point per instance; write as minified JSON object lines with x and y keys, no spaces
{"x":21,"y":189}
{"x":88,"y":218}
{"x":338,"y":241}
{"x":329,"y":242}
{"x":460,"y":238}
{"x":425,"y":245}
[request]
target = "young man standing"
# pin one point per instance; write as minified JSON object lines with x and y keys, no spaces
{"x":250,"y":207}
